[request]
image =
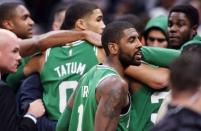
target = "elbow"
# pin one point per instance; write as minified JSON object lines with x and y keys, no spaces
{"x":160,"y":84}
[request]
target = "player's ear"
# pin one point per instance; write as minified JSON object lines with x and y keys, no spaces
{"x":113,"y":48}
{"x":80,"y":24}
{"x":55,"y":26}
{"x":8,"y":24}
{"x":194,"y":30}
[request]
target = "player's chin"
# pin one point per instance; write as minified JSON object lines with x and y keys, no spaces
{"x":30,"y":35}
{"x":100,"y":32}
{"x":138,"y":62}
{"x":13,"y":70}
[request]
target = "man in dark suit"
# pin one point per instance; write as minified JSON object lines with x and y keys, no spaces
{"x":10,"y":121}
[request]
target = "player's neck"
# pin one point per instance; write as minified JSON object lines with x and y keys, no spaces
{"x":112,"y":62}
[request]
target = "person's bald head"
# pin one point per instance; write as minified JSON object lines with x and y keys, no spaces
{"x":6,"y":38}
{"x":9,"y":51}
{"x":6,"y":33}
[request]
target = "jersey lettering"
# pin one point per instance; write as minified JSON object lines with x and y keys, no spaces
{"x":65,"y":85}
{"x":70,"y":68}
{"x":85,"y":91}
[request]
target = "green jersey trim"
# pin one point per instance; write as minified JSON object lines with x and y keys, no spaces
{"x":117,"y":75}
{"x":75,"y":43}
{"x":47,"y":53}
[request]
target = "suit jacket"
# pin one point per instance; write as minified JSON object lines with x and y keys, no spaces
{"x":179,"y":119}
{"x":9,"y":120}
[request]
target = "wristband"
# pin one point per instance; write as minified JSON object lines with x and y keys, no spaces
{"x":28,"y":115}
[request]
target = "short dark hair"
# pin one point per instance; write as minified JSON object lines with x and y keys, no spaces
{"x":191,"y":13}
{"x":185,"y":73}
{"x":113,"y":32}
{"x":7,"y":11}
{"x":134,"y":20}
{"x":75,"y":11}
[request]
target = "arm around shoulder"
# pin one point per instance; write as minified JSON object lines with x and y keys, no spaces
{"x":56,"y":38}
{"x":155,"y":77}
{"x":159,"y":56}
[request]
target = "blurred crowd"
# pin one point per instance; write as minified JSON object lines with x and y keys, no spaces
{"x":42,"y":11}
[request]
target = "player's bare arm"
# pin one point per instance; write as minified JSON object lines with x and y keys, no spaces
{"x":56,"y":38}
{"x":155,"y":77}
{"x":112,"y":96}
{"x":34,"y":65}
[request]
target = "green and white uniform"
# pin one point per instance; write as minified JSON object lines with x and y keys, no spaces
{"x":85,"y":105}
{"x":145,"y":105}
{"x":63,"y":67}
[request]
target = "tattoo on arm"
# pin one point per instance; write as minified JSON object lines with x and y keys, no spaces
{"x":114,"y":102}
